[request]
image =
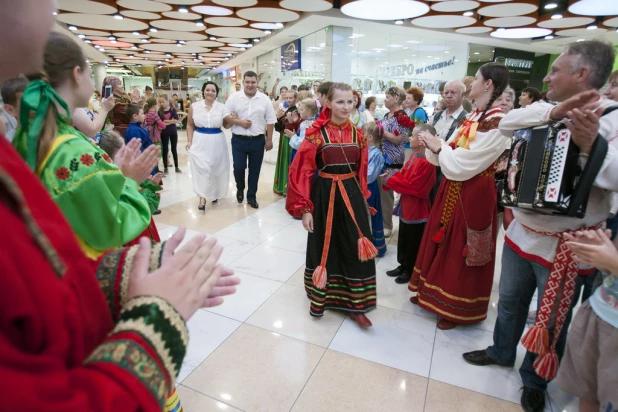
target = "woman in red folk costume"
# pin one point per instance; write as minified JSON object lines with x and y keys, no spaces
{"x":78,"y":334}
{"x":340,"y":271}
{"x":454,"y":269}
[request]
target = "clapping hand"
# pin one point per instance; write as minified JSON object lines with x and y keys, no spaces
{"x":584,"y":127}
{"x":136,"y":165}
{"x":289,"y":133}
{"x":430,"y":141}
{"x":593,"y":247}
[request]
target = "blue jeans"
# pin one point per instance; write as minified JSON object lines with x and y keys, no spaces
{"x":518,"y":281}
{"x":253,"y":150}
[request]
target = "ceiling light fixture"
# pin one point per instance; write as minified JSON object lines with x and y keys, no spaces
{"x":81,"y":36}
{"x":136,"y":33}
{"x":72,"y":28}
{"x":279,"y":25}
{"x":183,"y":9}
{"x":179,"y":44}
{"x":101,"y":49}
{"x":399,"y":21}
{"x":146,"y":51}
{"x":118,"y":16}
{"x":199,"y":23}
{"x":550,"y":6}
{"x":501,"y":29}
{"x":87,"y":41}
{"x":134,"y":47}
{"x":267,"y":32}
{"x":168,"y":55}
{"x":181,"y":41}
{"x":96,"y":46}
{"x":468,"y":13}
{"x":556,"y":16}
{"x":213,"y":38}
{"x":580,"y":40}
{"x":144,"y":40}
{"x":549,"y":37}
{"x":112,"y":38}
{"x":592,"y":26}
{"x":55,"y":13}
{"x":153,"y":29}
{"x":256,"y":40}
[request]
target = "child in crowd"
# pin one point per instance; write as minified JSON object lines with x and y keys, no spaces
{"x":588,"y":368}
{"x":12,"y":90}
{"x":413,"y":182}
{"x":169,"y":135}
{"x":112,"y":143}
{"x":374,"y":135}
{"x":308,"y":112}
{"x":153,"y":123}
{"x":135,"y":129}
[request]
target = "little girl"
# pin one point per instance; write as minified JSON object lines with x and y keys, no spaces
{"x":153,"y":122}
{"x":374,"y":135}
{"x":308,"y":111}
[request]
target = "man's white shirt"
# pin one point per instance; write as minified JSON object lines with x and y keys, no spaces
{"x":445,"y":122}
{"x":258,"y":109}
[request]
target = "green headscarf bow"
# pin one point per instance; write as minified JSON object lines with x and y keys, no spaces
{"x":35,"y":103}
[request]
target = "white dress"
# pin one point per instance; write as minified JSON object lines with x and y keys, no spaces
{"x":210,"y":158}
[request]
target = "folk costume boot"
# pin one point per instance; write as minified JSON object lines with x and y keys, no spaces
{"x":361,"y":320}
{"x":444,"y":324}
{"x":404,"y":278}
{"x":398,"y":271}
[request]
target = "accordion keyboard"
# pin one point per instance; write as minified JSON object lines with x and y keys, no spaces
{"x":556,"y":170}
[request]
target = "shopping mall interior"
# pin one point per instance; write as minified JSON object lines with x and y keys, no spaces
{"x":261,"y":350}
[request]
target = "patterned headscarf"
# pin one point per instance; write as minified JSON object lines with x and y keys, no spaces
{"x":35,"y":103}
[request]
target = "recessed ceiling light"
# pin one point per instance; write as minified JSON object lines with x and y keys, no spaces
{"x":136,"y":33}
{"x":592,"y":26}
{"x":146,"y":51}
{"x":101,"y":49}
{"x":399,"y":21}
{"x":395,"y":45}
{"x":183,"y":9}
{"x":556,"y":16}
{"x":153,"y":29}
{"x":55,"y":13}
{"x":87,"y":41}
{"x":279,"y":25}
{"x":477,"y":53}
{"x":144,"y":40}
{"x":446,"y":52}
{"x":168,"y":55}
{"x":521,"y":33}
{"x":385,"y":9}
{"x":112,"y":38}
{"x":550,"y":6}
{"x":96,"y":46}
{"x":468,"y":13}
{"x":199,"y":23}
{"x":594,"y":8}
{"x":118,"y":16}
{"x":578,"y":40}
{"x":134,"y":47}
{"x":267,"y":32}
{"x":213,"y":38}
{"x":81,"y":36}
{"x":549,"y":37}
{"x":72,"y":28}
{"x":501,"y":29}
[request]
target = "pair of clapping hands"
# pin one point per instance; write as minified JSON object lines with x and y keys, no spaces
{"x":135,"y":164}
{"x":189,"y":277}
{"x":594,"y":247}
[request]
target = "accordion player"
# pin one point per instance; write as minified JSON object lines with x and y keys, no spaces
{"x":545,"y":173}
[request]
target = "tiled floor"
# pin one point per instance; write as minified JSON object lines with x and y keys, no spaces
{"x":261,"y":351}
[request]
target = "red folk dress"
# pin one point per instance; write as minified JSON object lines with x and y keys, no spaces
{"x":69,"y":338}
{"x":338,"y":153}
{"x":445,"y":284}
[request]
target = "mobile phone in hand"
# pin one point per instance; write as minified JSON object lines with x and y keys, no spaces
{"x":108,"y":91}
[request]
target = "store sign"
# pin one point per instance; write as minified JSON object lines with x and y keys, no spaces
{"x":304,"y":73}
{"x":436,"y":66}
{"x":290,"y":56}
{"x":519,"y":62}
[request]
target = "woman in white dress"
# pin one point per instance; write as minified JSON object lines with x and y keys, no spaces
{"x":207,"y":146}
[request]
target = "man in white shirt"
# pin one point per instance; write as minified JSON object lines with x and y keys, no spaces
{"x":448,"y":120}
{"x":532,"y":240}
{"x":252,"y":114}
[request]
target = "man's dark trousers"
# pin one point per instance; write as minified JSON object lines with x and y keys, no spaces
{"x":251,"y":148}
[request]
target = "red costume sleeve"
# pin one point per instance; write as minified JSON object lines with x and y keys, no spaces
{"x":300,"y":178}
{"x":417,"y":182}
{"x":362,"y":165}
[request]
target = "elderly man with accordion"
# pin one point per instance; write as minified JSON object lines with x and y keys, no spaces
{"x":561,"y":177}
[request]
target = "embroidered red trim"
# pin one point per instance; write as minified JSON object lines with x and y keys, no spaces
{"x":87,"y":160}
{"x":63,"y":173}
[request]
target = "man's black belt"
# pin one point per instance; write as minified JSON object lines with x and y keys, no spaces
{"x":242,"y":136}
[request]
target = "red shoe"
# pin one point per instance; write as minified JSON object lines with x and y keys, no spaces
{"x":414,"y":300}
{"x":444,"y":324}
{"x":361,"y":320}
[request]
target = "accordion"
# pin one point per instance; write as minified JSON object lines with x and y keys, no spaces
{"x":544,"y":174}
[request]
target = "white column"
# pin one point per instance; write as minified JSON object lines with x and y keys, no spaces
{"x":341,"y":60}
{"x":99,"y":74}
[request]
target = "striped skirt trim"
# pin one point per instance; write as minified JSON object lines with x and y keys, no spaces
{"x":341,"y":293}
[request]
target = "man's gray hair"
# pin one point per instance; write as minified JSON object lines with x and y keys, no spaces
{"x":456,"y":83}
{"x":597,"y":55}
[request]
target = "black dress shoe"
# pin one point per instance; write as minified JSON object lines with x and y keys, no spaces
{"x":157,"y":212}
{"x":481,"y":358}
{"x":532,"y":400}
{"x":404,"y":278}
{"x":240,"y":196}
{"x":253,"y":203}
{"x":395,"y":272}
